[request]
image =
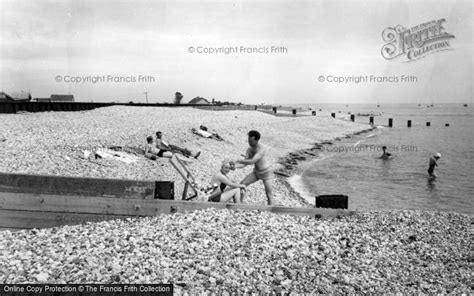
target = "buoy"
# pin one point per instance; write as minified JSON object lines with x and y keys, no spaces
{"x":333,"y":115}
{"x":428,"y":123}
{"x":447,"y":124}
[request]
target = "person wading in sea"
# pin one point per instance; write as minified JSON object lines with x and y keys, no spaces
{"x":433,"y":164}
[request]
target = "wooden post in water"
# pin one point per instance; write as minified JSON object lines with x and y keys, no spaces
{"x":409,"y":123}
{"x":428,"y":123}
{"x":371,"y":120}
{"x":353,"y":117}
{"x":333,"y":115}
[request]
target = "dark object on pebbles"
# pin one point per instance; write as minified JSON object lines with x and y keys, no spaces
{"x":335,"y":201}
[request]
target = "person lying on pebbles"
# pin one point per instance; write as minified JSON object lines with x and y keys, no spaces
{"x":152,"y":152}
{"x":162,"y":145}
{"x":224,"y":189}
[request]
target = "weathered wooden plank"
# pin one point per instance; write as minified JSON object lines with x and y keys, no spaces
{"x":11,"y":229}
{"x":142,"y":207}
{"x":79,"y":204}
{"x":76,"y":186}
{"x":29,"y":219}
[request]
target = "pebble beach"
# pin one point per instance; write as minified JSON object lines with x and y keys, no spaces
{"x":220,"y":250}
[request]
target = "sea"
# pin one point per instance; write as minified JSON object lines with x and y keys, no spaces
{"x":353,"y":166}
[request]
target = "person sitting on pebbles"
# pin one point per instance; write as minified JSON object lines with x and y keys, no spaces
{"x":224,"y":189}
{"x":162,"y":145}
{"x":152,"y":152}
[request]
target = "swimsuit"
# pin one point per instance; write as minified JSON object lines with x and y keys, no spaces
{"x":432,"y":166}
{"x":216,"y":195}
{"x":263,"y":175}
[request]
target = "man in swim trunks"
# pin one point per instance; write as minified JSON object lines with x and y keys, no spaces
{"x":433,"y":164}
{"x":163,"y":146}
{"x":152,"y":152}
{"x":256,"y":155}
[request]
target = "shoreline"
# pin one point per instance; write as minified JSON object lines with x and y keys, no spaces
{"x":297,"y":161}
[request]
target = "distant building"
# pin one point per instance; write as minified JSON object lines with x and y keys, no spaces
{"x":57,"y":98}
{"x":62,"y":98}
{"x":15,"y":97}
{"x":199,"y":100}
{"x":4,"y":97}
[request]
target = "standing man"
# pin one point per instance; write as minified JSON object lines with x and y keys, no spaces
{"x":256,"y":155}
{"x":433,"y":164}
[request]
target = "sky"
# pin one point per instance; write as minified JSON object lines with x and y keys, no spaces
{"x":118,"y":50}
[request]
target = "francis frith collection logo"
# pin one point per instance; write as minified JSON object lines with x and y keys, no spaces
{"x":416,"y":42}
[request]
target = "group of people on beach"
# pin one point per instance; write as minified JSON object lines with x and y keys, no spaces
{"x":223,"y":188}
{"x":433,"y":162}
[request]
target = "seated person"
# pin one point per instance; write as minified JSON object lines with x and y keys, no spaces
{"x":225,"y":189}
{"x":162,"y":145}
{"x":385,"y":155}
{"x":152,"y":152}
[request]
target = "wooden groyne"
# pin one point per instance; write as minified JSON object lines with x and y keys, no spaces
{"x":15,"y":107}
{"x":38,"y":201}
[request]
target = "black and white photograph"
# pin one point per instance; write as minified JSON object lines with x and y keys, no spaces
{"x":236,"y":147}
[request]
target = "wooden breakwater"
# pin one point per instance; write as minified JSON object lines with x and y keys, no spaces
{"x":15,"y":107}
{"x":38,"y":201}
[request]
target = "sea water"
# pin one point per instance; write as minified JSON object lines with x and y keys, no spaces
{"x":353,"y":166}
